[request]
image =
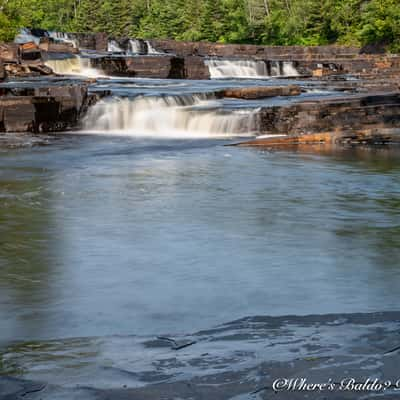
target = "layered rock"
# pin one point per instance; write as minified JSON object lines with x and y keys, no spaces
{"x":162,"y":67}
{"x":43,"y":109}
{"x":49,"y":46}
{"x":260,"y":92}
{"x":369,"y":118}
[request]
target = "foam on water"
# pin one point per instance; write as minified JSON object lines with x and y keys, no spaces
{"x":74,"y":66}
{"x":177,"y":116}
{"x":25,"y":36}
{"x":114,"y":47}
{"x":223,"y":68}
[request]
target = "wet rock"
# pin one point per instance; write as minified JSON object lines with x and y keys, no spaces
{"x":44,"y":109}
{"x":361,"y":119}
{"x":162,"y":67}
{"x":17,"y":114}
{"x":260,"y":92}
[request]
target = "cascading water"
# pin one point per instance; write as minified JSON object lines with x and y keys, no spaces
{"x":114,"y":47}
{"x":289,"y":69}
{"x":62,"y":37}
{"x":176,"y":116}
{"x":135,"y":46}
{"x":236,"y":68}
{"x":74,"y":66}
{"x":151,"y":49}
{"x":25,"y":36}
{"x":222,"y":68}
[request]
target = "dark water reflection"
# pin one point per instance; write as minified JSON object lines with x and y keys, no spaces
{"x":102,"y":235}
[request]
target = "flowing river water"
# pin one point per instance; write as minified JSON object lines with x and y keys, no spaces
{"x":143,"y":222}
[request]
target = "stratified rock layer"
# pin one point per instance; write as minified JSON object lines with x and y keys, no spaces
{"x":43,"y":109}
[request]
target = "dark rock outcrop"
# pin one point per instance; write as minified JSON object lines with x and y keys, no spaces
{"x":141,"y":66}
{"x":43,"y":109}
{"x":195,"y":68}
{"x":2,"y":70}
{"x":369,"y":118}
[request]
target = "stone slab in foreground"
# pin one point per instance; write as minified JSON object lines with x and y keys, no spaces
{"x":238,"y":360}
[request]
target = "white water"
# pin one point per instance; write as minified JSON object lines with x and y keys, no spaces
{"x":151,"y":49}
{"x":183,"y":116}
{"x":114,"y":47}
{"x":74,"y":66}
{"x":220,"y":68}
{"x":62,"y":37}
{"x":134,"y":46}
{"x":289,"y":69}
{"x":25,"y":36}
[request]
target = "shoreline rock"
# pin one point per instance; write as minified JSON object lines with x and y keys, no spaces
{"x":260,"y":92}
{"x":44,"y":109}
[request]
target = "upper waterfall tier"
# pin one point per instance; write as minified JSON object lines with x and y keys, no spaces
{"x":224,"y":68}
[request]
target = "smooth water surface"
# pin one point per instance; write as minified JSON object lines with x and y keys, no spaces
{"x":103,"y":235}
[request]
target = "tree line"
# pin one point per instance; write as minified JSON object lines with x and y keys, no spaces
{"x":275,"y":22}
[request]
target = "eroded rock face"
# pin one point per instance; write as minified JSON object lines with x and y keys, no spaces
{"x":369,"y":118}
{"x":195,"y":68}
{"x":45,"y":109}
{"x":142,"y":66}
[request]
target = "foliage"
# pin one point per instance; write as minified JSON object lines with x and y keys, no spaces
{"x":279,"y":22}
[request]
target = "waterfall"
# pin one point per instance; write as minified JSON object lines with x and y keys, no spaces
{"x":74,"y":66}
{"x":113,"y":47}
{"x":180,"y":116}
{"x":25,"y":36}
{"x":236,"y":68}
{"x":62,"y":37}
{"x":135,"y":47}
{"x":151,"y":49}
{"x":289,"y":69}
{"x":222,"y":68}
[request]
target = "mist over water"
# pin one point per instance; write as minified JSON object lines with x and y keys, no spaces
{"x":79,"y":66}
{"x":184,"y":116}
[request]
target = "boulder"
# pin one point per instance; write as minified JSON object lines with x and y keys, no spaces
{"x":259,"y":92}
